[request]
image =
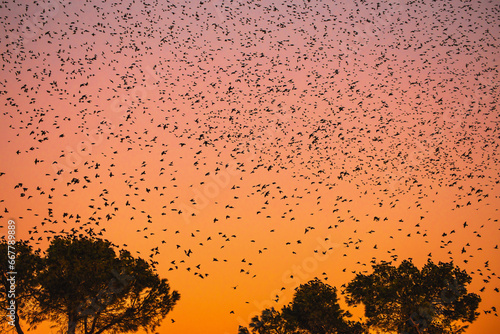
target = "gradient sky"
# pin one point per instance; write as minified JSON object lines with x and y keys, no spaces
{"x":272,"y":139}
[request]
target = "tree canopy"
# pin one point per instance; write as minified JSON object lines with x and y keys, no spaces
{"x":270,"y":321}
{"x":314,"y":309}
{"x":405,"y":299}
{"x":83,"y":285}
{"x":27,"y":265}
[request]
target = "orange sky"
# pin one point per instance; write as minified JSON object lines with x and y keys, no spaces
{"x":376,"y":123}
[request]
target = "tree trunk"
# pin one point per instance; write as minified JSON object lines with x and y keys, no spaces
{"x":71,"y":324}
{"x":6,"y":286}
{"x":17,"y":324}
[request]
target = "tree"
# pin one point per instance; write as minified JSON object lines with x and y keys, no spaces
{"x":85,"y":286}
{"x":26,"y":264}
{"x":408,"y":300}
{"x":315,"y":308}
{"x":270,"y":322}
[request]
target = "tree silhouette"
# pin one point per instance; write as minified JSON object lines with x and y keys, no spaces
{"x":408,"y":300}
{"x":26,"y":263}
{"x":313,"y":310}
{"x":270,"y":321}
{"x":85,"y":286}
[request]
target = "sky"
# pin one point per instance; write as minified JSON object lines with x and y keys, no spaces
{"x":250,"y":146}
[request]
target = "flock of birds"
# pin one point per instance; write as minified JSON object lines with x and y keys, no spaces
{"x":228,"y":133}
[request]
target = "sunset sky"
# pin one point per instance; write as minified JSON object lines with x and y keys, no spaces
{"x":272,"y":142}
